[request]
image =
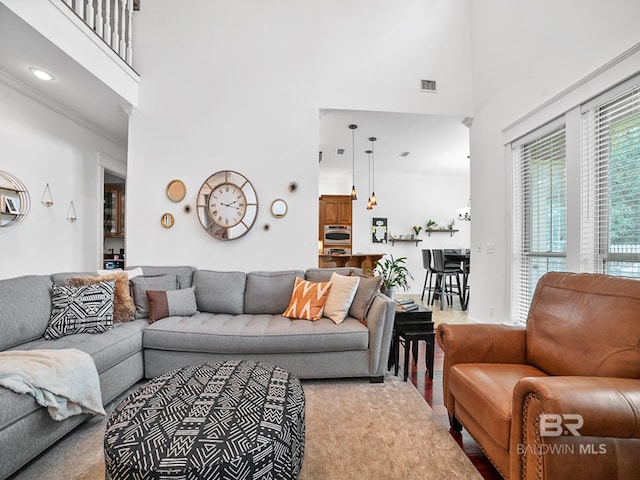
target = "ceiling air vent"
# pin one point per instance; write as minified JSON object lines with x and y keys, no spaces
{"x":340,"y":151}
{"x":428,"y":86}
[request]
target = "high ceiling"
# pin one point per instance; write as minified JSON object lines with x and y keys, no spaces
{"x":437,"y":145}
{"x":74,"y":92}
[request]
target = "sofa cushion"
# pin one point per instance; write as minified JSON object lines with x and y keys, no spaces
{"x":106,"y":349}
{"x":26,"y":309}
{"x":62,"y":278}
{"x":123,"y":306}
{"x":140,"y":285}
{"x":307,"y":300}
{"x":171,"y":302}
{"x":269,"y":292}
{"x":85,"y":309}
{"x":343,"y":290}
{"x":484,"y":390}
{"x":255,"y":334}
{"x":324,"y":274}
{"x":568,"y":332}
{"x":220,"y":292}
{"x":184,"y":273}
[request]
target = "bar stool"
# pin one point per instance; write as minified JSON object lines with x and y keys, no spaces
{"x":428,"y":278}
{"x":443,"y":274}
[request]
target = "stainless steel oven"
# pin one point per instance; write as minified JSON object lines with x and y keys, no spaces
{"x":336,"y":235}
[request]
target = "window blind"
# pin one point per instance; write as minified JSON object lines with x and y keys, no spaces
{"x":539,"y":217}
{"x":611,"y":184}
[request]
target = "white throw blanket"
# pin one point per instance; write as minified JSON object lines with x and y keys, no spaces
{"x":65,"y":381}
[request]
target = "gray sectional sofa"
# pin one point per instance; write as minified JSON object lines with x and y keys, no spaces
{"x":238,"y":317}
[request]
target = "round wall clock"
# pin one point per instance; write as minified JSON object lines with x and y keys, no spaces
{"x":227,"y":205}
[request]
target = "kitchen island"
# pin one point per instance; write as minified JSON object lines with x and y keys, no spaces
{"x":365,"y":261}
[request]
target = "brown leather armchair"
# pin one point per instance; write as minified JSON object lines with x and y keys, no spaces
{"x":559,"y":398}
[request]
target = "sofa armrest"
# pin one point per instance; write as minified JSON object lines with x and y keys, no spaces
{"x":478,"y":343}
{"x":380,"y":319}
{"x":603,"y":411}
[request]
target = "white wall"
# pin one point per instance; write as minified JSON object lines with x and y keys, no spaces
{"x":38,"y":145}
{"x":524,"y":53}
{"x":238,"y":85}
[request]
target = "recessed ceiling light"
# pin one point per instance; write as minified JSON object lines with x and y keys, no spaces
{"x":41,"y":74}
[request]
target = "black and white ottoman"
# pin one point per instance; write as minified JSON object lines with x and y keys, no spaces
{"x":228,"y":420}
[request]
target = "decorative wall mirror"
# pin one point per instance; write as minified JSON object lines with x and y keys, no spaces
{"x":176,"y":190}
{"x":167,"y":220}
{"x":279,"y":208}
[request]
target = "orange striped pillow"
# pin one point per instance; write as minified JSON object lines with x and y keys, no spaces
{"x":307,"y":300}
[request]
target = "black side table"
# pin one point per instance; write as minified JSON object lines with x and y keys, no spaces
{"x":413,"y":326}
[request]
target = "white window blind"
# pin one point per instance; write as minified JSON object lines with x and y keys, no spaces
{"x":611,"y":183}
{"x":539,"y":217}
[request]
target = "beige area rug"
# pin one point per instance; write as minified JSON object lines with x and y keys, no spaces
{"x":354,"y":430}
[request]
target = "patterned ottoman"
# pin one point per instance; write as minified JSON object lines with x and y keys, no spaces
{"x":227,"y":420}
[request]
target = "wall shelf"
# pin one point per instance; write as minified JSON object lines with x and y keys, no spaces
{"x":441,"y":230}
{"x":13,"y":196}
{"x":416,"y":240}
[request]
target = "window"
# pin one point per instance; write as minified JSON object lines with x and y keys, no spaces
{"x":611,"y":184}
{"x":540,"y":214}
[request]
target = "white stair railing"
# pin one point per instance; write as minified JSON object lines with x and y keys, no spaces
{"x":111,"y":20}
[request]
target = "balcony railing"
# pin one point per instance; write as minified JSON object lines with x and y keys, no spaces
{"x":111,"y":20}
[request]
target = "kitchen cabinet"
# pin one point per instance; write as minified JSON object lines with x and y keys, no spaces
{"x":113,"y":210}
{"x":335,"y":210}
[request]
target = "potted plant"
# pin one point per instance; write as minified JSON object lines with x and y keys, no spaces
{"x":417,"y":229}
{"x":431,"y":224}
{"x":394,"y":274}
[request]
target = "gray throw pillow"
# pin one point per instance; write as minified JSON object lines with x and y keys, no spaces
{"x":140,"y":285}
{"x":85,"y":309}
{"x":367,"y":289}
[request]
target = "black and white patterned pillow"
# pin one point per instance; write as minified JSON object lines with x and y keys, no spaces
{"x":84,"y":309}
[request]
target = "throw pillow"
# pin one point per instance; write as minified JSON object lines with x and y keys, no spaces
{"x":343,"y":289}
{"x":171,"y":302}
{"x":140,"y":285}
{"x":367,"y":289}
{"x":123,"y":306}
{"x":85,"y":309}
{"x":307,"y":299}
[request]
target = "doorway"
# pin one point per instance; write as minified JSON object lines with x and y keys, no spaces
{"x":113,"y":251}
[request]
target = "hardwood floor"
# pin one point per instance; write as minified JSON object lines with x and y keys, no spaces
{"x":432,"y":392}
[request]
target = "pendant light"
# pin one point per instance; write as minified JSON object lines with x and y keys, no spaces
{"x":354,"y":196}
{"x":369,"y":203}
{"x":372,"y":198}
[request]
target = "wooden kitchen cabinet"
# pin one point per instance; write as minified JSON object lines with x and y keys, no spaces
{"x":335,"y":210}
{"x":113,"y":210}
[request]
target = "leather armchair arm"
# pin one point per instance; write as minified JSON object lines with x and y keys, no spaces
{"x":482,"y":343}
{"x":609,"y":407}
{"x":478,"y":343}
{"x":605,"y":411}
